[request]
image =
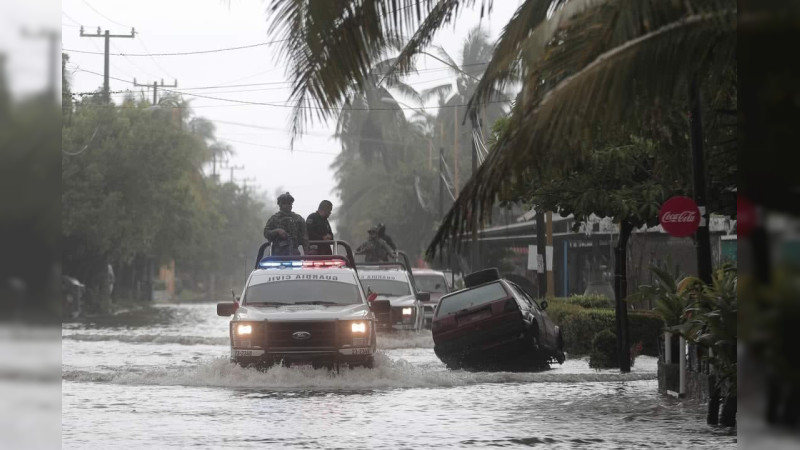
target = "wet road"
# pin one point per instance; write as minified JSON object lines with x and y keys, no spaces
{"x":160,"y":378}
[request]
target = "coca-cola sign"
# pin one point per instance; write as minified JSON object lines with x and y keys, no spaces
{"x":679,"y":216}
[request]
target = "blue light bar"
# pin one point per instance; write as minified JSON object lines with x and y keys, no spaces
{"x":267,"y":264}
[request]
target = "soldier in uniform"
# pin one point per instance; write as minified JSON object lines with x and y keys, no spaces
{"x":319,"y":229}
{"x":374,"y":249}
{"x":382,"y":234}
{"x":286,"y":230}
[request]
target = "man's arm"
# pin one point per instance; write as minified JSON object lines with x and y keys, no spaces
{"x":390,"y":242}
{"x":389,"y":250}
{"x":272,"y":230}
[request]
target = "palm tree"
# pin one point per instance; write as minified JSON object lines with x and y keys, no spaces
{"x":589,"y":67}
{"x":372,"y":123}
{"x":475,"y":54}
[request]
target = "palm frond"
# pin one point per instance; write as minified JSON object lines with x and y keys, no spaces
{"x":444,"y":12}
{"x":554,"y":132}
{"x":441,"y":92}
{"x":332,"y":46}
{"x":502,"y":67}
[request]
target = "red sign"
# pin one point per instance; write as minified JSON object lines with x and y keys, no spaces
{"x":679,"y":216}
{"x":746,"y":216}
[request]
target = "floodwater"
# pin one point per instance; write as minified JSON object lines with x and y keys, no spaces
{"x":160,"y":378}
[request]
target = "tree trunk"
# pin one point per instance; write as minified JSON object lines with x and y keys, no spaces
{"x":620,"y":292}
{"x":728,"y":418}
{"x":712,"y":415}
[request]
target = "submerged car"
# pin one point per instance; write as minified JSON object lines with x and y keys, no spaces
{"x":434,"y":282}
{"x":394,"y":297}
{"x":302,"y":310}
{"x":493,"y":323}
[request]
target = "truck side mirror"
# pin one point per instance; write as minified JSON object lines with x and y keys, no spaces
{"x":543,"y":304}
{"x":424,"y":296}
{"x":226,"y":309}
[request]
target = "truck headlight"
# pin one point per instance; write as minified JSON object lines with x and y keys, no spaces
{"x":408,"y":311}
{"x":358,"y":327}
{"x":246,"y":335}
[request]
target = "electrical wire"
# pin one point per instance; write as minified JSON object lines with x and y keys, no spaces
{"x":223,"y":138}
{"x":85,"y":145}
{"x":104,"y":16}
{"x":197,"y":52}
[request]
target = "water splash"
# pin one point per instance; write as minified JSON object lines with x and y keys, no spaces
{"x":387,"y":374}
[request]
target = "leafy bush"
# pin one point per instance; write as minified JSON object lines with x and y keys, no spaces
{"x":579,"y":326}
{"x":671,"y":293}
{"x":604,"y":350}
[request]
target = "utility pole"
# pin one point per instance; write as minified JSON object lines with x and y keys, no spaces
{"x":541,"y":244}
{"x":107,"y":36}
{"x":441,"y":183}
{"x":702,"y":242}
{"x":456,"y":186}
{"x":548,"y":254}
{"x":245,"y":182}
{"x":155,"y":86}
{"x":232,"y":168}
{"x":54,"y":38}
{"x":473,"y":117}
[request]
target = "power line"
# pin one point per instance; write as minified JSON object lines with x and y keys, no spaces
{"x":277,"y":105}
{"x":223,"y":138}
{"x":104,"y":16}
{"x":197,"y":52}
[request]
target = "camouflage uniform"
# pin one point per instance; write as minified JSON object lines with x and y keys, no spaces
{"x":375,"y":249}
{"x":295,"y":227}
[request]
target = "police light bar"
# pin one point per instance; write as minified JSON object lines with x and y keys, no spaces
{"x":267,"y":264}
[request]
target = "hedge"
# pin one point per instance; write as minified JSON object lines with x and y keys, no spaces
{"x":604,"y":351}
{"x":586,"y":301}
{"x":579,"y":325}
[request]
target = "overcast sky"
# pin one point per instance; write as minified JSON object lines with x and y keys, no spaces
{"x":196,"y":25}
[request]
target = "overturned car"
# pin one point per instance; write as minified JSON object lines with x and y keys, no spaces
{"x":494,"y":324}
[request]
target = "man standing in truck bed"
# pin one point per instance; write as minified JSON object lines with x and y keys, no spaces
{"x":286,"y":230}
{"x":319,"y":229}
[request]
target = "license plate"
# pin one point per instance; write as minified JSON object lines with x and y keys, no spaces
{"x":303,"y":364}
{"x":474,"y":317}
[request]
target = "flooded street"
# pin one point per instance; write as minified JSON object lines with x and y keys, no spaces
{"x":161,"y":378}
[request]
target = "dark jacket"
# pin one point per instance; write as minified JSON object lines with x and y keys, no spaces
{"x":318,"y":227}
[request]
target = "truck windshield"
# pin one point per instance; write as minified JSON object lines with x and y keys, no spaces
{"x":469,"y":298}
{"x":431,"y":283}
{"x":302,"y":292}
{"x":387,"y":287}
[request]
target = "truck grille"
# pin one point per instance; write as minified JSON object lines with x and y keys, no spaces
{"x":397,"y":315}
{"x":323,"y":334}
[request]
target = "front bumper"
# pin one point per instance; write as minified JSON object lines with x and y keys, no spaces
{"x":352,"y":356}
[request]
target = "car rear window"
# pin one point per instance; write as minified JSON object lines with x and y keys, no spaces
{"x":292,"y":292}
{"x":469,"y":298}
{"x":430,"y":283}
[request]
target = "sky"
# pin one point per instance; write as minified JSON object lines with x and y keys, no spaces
{"x":259,"y":134}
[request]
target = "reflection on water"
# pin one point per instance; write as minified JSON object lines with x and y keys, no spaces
{"x":169,"y":383}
